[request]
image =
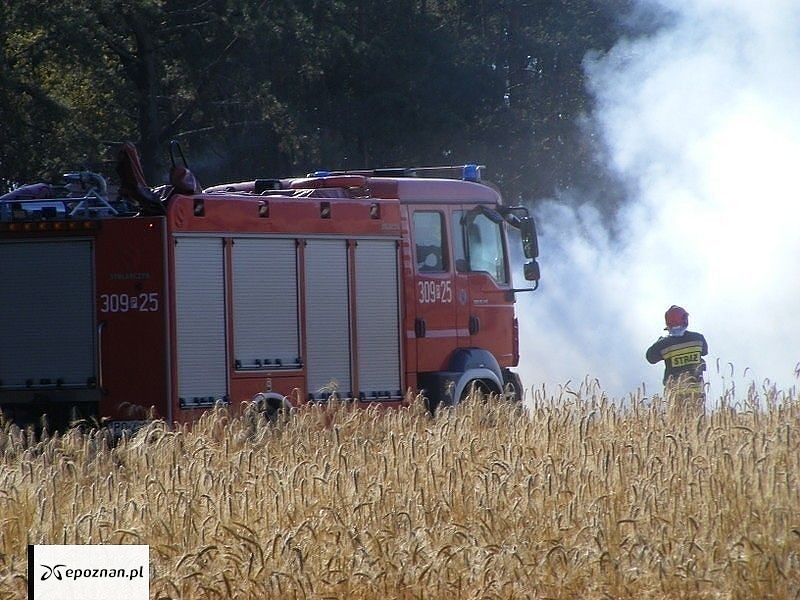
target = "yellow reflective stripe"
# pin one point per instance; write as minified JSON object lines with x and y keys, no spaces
{"x":684,"y":355}
{"x":675,"y":347}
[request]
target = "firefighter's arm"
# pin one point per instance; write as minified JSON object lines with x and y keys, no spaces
{"x":653,"y":354}
{"x":704,"y":350}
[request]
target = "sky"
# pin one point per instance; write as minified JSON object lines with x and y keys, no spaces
{"x":700,"y":119}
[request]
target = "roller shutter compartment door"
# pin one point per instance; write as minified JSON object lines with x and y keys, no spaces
{"x":200,"y":318}
{"x":47,"y":329}
{"x":378,"y":333}
{"x":327,"y":317}
{"x":265,"y":321}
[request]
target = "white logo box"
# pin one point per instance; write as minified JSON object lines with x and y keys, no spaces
{"x":89,"y":572}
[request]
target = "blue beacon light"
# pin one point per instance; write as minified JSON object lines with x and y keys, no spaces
{"x":471,"y":172}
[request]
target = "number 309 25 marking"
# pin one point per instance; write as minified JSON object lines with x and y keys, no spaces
{"x":435,"y":291}
{"x":114,"y":303}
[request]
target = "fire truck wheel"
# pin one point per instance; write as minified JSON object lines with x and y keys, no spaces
{"x":477,"y":388}
{"x":271,"y":404}
{"x":512,"y":386}
{"x":431,"y":404}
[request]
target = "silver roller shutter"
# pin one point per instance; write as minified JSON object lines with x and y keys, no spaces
{"x":47,"y":329}
{"x":265,"y":303}
{"x":200,"y":319}
{"x":327,"y":316}
{"x":377,"y":318}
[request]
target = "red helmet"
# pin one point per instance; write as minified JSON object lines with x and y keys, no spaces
{"x":676,"y":317}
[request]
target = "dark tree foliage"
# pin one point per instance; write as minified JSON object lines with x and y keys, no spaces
{"x":536,"y":137}
{"x":259,"y":88}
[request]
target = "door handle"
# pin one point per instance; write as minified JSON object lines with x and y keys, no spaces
{"x":419,"y":328}
{"x":474,"y":325}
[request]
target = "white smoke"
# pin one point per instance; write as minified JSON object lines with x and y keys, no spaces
{"x":701,"y":119}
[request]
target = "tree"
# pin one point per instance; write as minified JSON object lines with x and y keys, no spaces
{"x":534,"y":135}
{"x":257,"y":89}
{"x":91,"y":73}
{"x":43,"y":96}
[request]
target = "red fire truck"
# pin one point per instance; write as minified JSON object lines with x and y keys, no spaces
{"x":161,"y":304}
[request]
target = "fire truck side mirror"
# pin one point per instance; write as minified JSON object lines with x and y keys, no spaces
{"x":531,"y":270}
{"x":530,"y":241}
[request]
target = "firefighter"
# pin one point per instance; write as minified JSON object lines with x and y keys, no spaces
{"x":682,"y":352}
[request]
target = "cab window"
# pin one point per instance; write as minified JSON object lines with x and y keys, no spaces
{"x":478,"y":245}
{"x":429,"y":240}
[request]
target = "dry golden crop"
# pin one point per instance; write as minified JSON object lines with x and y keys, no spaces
{"x":575,"y":496}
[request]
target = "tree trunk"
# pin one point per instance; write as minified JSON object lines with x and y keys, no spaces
{"x":145,"y":78}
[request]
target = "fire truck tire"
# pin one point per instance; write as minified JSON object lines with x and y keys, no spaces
{"x":484,"y":381}
{"x":475,"y":365}
{"x":431,"y":404}
{"x":52,"y":417}
{"x":478,"y":387}
{"x":512,"y":386}
{"x":271,"y":404}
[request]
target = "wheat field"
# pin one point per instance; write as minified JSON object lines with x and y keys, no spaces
{"x":572,"y":496}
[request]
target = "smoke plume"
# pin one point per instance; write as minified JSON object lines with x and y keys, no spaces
{"x":700,"y":118}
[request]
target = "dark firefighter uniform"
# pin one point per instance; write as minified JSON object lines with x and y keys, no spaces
{"x":682,"y":356}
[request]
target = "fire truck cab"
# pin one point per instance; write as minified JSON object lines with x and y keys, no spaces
{"x":358,"y":285}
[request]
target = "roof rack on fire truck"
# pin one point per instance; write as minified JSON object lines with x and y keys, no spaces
{"x":80,"y":194}
{"x":94,"y":201}
{"x":350,"y":183}
{"x":467,"y":172}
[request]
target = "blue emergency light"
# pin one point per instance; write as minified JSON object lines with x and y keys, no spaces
{"x":471,"y":172}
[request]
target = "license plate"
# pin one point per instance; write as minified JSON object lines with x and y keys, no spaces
{"x":130,"y":427}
